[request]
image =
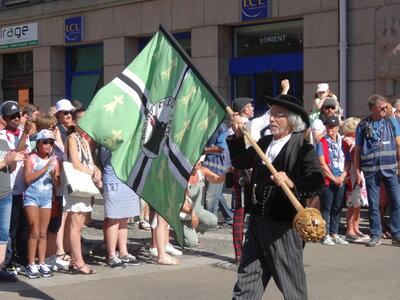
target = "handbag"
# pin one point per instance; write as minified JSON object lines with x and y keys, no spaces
{"x":78,"y":183}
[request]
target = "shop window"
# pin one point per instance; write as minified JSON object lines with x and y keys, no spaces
{"x":264,"y":55}
{"x":268,"y":39}
{"x":18,"y":64}
{"x":84,"y":70}
{"x":17,"y":82}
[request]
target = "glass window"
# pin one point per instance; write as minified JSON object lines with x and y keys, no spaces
{"x":84,"y":72}
{"x":86,"y":59}
{"x":244,"y":86}
{"x":18,"y":64}
{"x":267,"y":39}
{"x":84,"y":87}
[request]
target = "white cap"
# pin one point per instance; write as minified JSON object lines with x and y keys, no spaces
{"x":322,"y":87}
{"x":64,"y":105}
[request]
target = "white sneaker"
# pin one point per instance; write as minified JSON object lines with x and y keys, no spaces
{"x":64,"y":263}
{"x":44,"y":270}
{"x":338,"y":240}
{"x":32,"y":271}
{"x":51,"y":261}
{"x":153,"y":252}
{"x":169,"y":249}
{"x":327,"y":241}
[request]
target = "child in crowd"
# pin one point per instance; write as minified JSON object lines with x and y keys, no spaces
{"x":41,"y":174}
{"x":320,"y":95}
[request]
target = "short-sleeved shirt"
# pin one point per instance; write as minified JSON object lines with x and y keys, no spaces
{"x":17,"y":176}
{"x":376,"y":124}
{"x":316,"y":125}
{"x":5,"y":184}
{"x":336,"y":161}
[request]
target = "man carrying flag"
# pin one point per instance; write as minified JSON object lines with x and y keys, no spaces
{"x":155,"y":118}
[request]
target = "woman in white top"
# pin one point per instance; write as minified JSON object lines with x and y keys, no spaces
{"x":77,"y":151}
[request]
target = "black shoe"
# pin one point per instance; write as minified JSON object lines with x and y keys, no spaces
{"x":396,"y":241}
{"x":5,"y":276}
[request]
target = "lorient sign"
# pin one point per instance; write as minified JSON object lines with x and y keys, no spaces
{"x":74,"y":30}
{"x":254,"y":9}
{"x":23,"y":35}
{"x":273,"y":39}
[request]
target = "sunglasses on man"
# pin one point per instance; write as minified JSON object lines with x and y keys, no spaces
{"x":329,"y":107}
{"x":383,"y":108}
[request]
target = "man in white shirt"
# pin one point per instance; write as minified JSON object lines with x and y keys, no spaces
{"x":18,"y":140}
{"x":260,"y":125}
{"x":317,"y":128}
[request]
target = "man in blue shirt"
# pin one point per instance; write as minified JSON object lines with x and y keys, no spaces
{"x":377,"y":154}
{"x":214,"y":160}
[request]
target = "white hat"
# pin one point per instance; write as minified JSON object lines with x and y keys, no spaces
{"x":322,"y":87}
{"x":64,"y":105}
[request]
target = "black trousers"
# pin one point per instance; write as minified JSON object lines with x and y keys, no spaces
{"x":271,"y":249}
{"x":19,"y":233}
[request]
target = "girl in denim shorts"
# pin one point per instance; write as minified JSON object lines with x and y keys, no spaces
{"x":41,"y":174}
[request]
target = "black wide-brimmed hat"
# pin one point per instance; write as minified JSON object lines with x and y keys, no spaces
{"x":291,"y":103}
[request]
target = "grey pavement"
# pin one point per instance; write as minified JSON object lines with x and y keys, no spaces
{"x":208,"y":272}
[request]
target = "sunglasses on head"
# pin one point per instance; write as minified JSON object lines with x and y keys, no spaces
{"x":330,"y":107}
{"x":46,"y":142}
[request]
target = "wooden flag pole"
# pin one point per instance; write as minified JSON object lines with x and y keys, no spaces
{"x":297,"y":205}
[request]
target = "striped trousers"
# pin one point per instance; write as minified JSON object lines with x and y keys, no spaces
{"x":271,"y":249}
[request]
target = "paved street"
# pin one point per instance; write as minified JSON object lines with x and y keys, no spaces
{"x":339,"y":272}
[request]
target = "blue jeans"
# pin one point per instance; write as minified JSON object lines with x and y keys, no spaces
{"x":5,"y":215}
{"x":215,"y":198}
{"x":331,"y":205}
{"x":373,"y":182}
{"x":19,"y":232}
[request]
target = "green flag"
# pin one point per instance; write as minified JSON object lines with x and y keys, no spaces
{"x":156,"y":118}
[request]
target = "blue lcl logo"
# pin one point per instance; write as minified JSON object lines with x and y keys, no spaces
{"x":74,"y":31}
{"x":254,"y":9}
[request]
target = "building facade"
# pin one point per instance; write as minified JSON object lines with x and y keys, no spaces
{"x":53,"y":49}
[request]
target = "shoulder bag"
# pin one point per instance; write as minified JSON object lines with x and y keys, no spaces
{"x":78,"y":183}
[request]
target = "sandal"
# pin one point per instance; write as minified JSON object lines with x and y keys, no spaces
{"x":167,"y":261}
{"x":386,"y":235}
{"x":363,"y":236}
{"x":64,"y":256}
{"x":353,"y":238}
{"x":78,"y":270}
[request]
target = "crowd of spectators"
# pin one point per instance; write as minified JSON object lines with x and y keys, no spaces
{"x":40,"y":224}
